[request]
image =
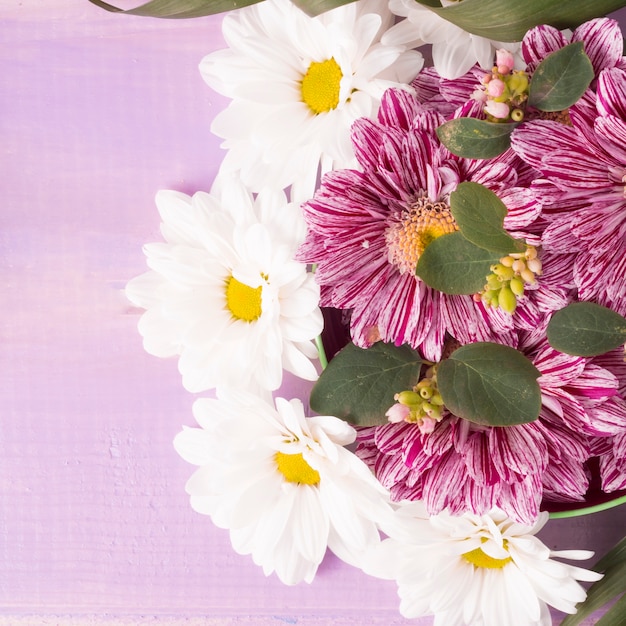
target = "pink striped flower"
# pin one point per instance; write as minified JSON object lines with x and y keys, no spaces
{"x":463,"y":466}
{"x":368,"y":228}
{"x":585,"y":198}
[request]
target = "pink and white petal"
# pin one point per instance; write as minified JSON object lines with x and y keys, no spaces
{"x":517,"y":451}
{"x":603,"y":42}
{"x":611,"y":92}
{"x":541,"y":41}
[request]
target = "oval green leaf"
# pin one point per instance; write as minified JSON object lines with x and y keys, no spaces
{"x":586,"y":329}
{"x":455,"y":266}
{"x":490,"y":384}
{"x":471,"y":138}
{"x":359,"y":385}
{"x":479,"y":214}
{"x":561,"y":79}
{"x":178,"y":9}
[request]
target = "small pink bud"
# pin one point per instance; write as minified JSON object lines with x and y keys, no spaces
{"x":397,"y":413}
{"x":427,"y":425}
{"x":496,"y":88}
{"x":499,"y":110}
{"x":479,"y":95}
{"x":504,"y":61}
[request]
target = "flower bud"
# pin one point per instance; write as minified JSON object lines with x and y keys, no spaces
{"x":507,"y":300}
{"x":408,"y":398}
{"x":427,"y":425}
{"x":499,"y":110}
{"x":517,"y":83}
{"x":517,"y":286}
{"x":495,"y":88}
{"x":397,"y":413}
{"x":504,"y":61}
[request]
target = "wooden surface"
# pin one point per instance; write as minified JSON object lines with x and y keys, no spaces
{"x":98,"y":112}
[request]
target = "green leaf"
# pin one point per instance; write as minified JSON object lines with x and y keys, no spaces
{"x":504,"y":20}
{"x":490,"y":384}
{"x":317,"y":7}
{"x":601,"y":592}
{"x":178,"y":9}
{"x":586,"y":329}
{"x":617,"y":554}
{"x":475,"y":139}
{"x":616,"y":615}
{"x":479,"y":214}
{"x":359,"y":385}
{"x":453,"y":265}
{"x":561,"y":79}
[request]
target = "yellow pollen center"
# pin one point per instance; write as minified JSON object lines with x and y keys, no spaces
{"x":418,"y":226}
{"x":243,"y":302}
{"x":320,"y":86}
{"x":295,"y":469}
{"x":478,"y":558}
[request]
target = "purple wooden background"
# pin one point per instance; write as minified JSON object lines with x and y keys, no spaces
{"x":97,"y":113}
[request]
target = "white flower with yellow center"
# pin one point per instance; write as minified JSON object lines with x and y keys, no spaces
{"x":282,"y":483}
{"x":224,"y":292}
{"x":477,"y":570}
{"x":297,"y":84}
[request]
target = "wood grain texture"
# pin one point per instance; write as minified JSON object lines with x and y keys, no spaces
{"x":98,"y":112}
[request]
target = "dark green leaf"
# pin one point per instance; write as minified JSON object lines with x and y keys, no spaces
{"x":586,"y":329}
{"x":601,"y":592}
{"x":475,"y":139}
{"x":561,"y":79}
{"x":317,"y":7}
{"x":617,"y":554}
{"x":453,"y":265}
{"x":358,"y":385}
{"x":616,"y":615}
{"x":504,"y":20}
{"x":490,"y":384}
{"x":480,"y":214}
{"x":178,"y":8}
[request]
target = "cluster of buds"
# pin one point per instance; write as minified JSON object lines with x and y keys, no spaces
{"x":509,"y":279}
{"x":421,"y":405}
{"x":504,"y":90}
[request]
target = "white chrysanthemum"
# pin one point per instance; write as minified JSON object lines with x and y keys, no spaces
{"x":477,"y":570}
{"x":297,"y":84}
{"x":454,"y":50}
{"x":224,"y":292}
{"x":282,"y":483}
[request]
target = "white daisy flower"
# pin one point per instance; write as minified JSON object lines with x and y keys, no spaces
{"x":224,"y":292}
{"x":297,"y":84}
{"x":282,"y":483}
{"x":477,"y":570}
{"x":454,"y":51}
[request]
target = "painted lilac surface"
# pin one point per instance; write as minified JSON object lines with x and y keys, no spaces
{"x":98,"y":112}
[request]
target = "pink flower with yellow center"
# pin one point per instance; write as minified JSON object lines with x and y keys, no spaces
{"x":462,"y":466}
{"x":367,"y":230}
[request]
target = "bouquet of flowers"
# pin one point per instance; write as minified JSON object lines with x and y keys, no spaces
{"x":439,"y":247}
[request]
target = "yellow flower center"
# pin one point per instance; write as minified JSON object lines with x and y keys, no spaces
{"x":418,"y":226}
{"x":243,"y":302}
{"x":295,"y":469}
{"x":320,"y":86}
{"x":478,"y":558}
